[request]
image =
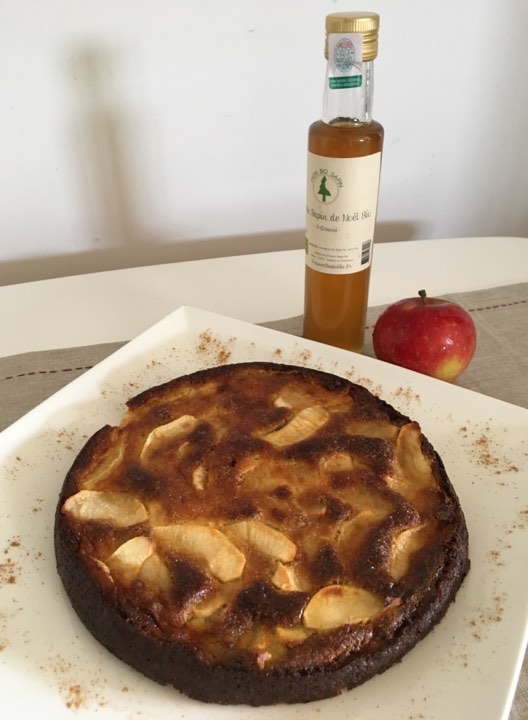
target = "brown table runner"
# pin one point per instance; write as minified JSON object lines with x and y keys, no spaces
{"x":499,"y":369}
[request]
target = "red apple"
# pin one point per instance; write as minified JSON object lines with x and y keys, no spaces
{"x":431,"y":335}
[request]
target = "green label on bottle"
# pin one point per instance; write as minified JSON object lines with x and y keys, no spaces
{"x":350,"y":81}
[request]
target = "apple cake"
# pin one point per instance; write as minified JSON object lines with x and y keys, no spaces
{"x":260,"y":533}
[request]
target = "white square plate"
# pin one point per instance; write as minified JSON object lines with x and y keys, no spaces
{"x":50,"y":667}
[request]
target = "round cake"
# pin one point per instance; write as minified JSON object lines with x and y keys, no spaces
{"x":260,"y":533}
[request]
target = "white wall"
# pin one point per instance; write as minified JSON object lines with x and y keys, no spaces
{"x":141,"y":131}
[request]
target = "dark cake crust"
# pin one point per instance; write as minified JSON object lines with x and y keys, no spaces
{"x":131,"y":622}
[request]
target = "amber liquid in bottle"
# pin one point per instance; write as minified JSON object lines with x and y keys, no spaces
{"x":335,"y":306}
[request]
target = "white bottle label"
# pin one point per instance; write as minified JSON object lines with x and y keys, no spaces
{"x":345,"y":56}
{"x":341,"y":203}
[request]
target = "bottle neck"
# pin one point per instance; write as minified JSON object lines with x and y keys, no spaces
{"x":348,"y":100}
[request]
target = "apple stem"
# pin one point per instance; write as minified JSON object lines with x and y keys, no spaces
{"x":423,"y":295}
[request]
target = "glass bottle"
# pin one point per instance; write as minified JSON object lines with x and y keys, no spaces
{"x":344,"y":160}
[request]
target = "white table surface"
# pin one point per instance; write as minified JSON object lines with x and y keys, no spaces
{"x":119,"y":304}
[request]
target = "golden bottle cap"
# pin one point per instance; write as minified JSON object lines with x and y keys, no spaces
{"x":366,"y":23}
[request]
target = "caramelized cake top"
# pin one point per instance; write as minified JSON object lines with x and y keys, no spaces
{"x":263,"y":514}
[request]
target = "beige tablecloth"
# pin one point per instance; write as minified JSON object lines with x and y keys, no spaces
{"x":499,"y":369}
